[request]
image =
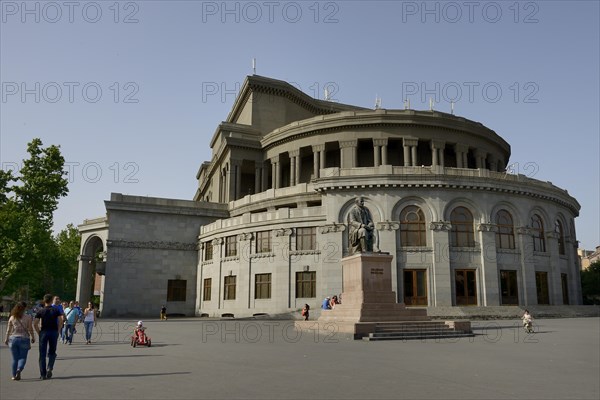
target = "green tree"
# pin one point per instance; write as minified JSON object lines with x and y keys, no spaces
{"x":590,"y":284}
{"x":67,"y":242}
{"x":28,"y":253}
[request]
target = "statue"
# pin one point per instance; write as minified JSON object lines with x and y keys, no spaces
{"x":361,"y":228}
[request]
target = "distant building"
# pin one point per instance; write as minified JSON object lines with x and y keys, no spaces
{"x":588,"y":257}
{"x":267,"y":227}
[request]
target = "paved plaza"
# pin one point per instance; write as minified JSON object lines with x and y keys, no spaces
{"x":198,"y":358}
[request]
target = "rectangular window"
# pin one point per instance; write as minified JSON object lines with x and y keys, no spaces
{"x":208,"y":251}
{"x":207,"y":289}
{"x":306,"y":238}
{"x":306,"y":284}
{"x":508,"y":287}
{"x":231,"y":246}
{"x":263,"y":242}
{"x":229,"y":288}
{"x":262,"y":286}
{"x":176,"y":290}
{"x":541,"y":286}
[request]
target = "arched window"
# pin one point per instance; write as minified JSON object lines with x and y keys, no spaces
{"x":412,"y":227}
{"x":537,"y":226}
{"x":462,"y":234}
{"x":558,"y":228}
{"x":505,"y":238}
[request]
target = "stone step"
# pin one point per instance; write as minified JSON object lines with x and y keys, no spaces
{"x":418,"y":333}
{"x":377,"y":337}
{"x":416,"y":329}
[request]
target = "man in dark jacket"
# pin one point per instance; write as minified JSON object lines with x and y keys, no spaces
{"x":51,"y":319}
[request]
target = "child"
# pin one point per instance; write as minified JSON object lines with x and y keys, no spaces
{"x":305,"y":312}
{"x":139,"y":330}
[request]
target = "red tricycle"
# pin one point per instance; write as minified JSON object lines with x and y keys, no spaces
{"x":139,"y":337}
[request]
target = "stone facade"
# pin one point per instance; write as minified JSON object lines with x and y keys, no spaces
{"x":270,"y":213}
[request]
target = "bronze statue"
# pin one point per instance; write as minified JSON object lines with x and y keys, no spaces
{"x":361,"y":228}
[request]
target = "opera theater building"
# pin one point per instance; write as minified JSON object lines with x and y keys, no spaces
{"x":268,"y":226}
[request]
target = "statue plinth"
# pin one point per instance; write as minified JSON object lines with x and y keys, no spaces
{"x":367,"y":294}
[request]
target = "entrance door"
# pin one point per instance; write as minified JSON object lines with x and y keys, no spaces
{"x":415,"y":287}
{"x":466,"y":287}
{"x":565,"y":288}
{"x":541,"y":285}
{"x":508,"y":287}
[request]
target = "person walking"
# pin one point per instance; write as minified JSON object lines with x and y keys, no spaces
{"x":19,"y":336}
{"x":71,"y":316}
{"x":89,"y":322}
{"x":163,"y":312}
{"x":48,"y":323}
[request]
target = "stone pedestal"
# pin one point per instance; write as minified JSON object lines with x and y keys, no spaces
{"x":367,"y":295}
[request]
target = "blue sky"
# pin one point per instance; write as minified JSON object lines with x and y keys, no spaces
{"x":133,"y":91}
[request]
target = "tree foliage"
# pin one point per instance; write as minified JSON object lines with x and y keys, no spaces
{"x":590,"y":284}
{"x":28,"y":253}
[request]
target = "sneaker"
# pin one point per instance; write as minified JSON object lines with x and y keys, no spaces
{"x":49,"y":374}
{"x":18,"y":375}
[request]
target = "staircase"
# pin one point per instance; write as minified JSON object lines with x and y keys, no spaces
{"x":419,"y":330}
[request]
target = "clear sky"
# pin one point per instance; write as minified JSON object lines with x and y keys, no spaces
{"x":133,"y":91}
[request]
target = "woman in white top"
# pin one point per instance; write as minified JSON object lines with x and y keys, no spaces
{"x":89,"y":321}
{"x":19,"y":334}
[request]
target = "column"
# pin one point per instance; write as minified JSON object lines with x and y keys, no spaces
{"x":237,"y":170}
{"x":230,"y":187}
{"x":84,"y":274}
{"x":501,"y":164}
{"x":265,"y":176}
{"x":257,"y":178}
{"x":406,"y":155}
{"x":493,"y":163}
{"x":322,"y":154}
{"x":413,"y":150}
{"x":480,"y":159}
{"x":461,"y":151}
{"x":318,"y":151}
{"x":528,"y":292}
{"x":275,"y":172}
{"x":382,"y":145}
{"x":376,"y":155}
{"x":442,"y":273}
{"x":555,"y":284}
{"x":437,"y":152}
{"x":294,"y":167}
{"x":298,"y":167}
{"x":490,"y":285}
{"x":410,"y":143}
{"x":434,"y":155}
{"x":573,"y":270}
{"x":348,"y":153}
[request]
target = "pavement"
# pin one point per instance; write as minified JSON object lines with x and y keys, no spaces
{"x":196,"y":358}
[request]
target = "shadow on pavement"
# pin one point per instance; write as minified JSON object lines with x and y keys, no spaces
{"x":117,"y":375}
{"x":126,"y":356}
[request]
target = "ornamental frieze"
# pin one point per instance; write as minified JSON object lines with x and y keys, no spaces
{"x":161,"y":245}
{"x":332,"y":228}
{"x":524,"y":230}
{"x":440,"y":226}
{"x":283,"y":232}
{"x":245,"y":236}
{"x":487,"y":228}
{"x":217,"y":241}
{"x":388,"y":226}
